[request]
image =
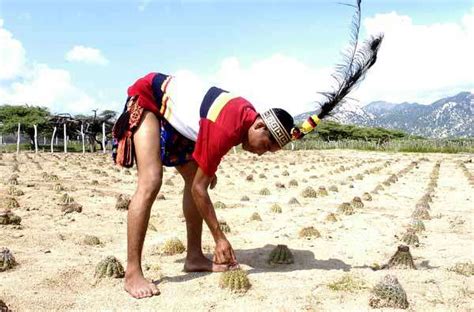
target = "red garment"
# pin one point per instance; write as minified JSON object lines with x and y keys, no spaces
{"x":215,"y":139}
{"x":143,"y":88}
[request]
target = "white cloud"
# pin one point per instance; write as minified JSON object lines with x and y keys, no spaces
{"x":420,"y":62}
{"x":86,"y":55}
{"x":12,"y":55}
{"x":143,"y":4}
{"x":23,"y":82}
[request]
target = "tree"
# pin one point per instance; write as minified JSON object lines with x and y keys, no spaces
{"x":27,"y":116}
{"x":93,"y":126}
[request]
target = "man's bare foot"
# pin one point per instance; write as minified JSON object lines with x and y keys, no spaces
{"x":202,"y":264}
{"x":139,"y":287}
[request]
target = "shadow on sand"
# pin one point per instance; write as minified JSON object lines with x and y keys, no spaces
{"x":256,"y":259}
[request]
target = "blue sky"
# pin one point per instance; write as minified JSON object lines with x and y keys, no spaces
{"x":136,"y":37}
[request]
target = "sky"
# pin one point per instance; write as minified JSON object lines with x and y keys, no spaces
{"x":78,"y":55}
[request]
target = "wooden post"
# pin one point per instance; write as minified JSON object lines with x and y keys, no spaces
{"x":44,"y":140}
{"x":103,"y":137}
{"x":1,"y":139}
{"x":52,"y":139}
{"x":234,"y":149}
{"x":65,"y":139}
{"x":36,"y":138}
{"x":18,"y":139}
{"x":82,"y":136}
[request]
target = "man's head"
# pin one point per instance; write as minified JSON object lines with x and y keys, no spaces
{"x":269,"y":132}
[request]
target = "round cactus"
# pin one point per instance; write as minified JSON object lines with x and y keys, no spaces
{"x":66,"y":199}
{"x":309,"y":233}
{"x":13,"y":180}
{"x":13,"y":191}
{"x":172,"y":247}
{"x":293,"y":183}
{"x":421,"y":213}
{"x":388,"y":293}
{"x":264,"y":191}
{"x":235,"y":281}
{"x":309,"y":192}
{"x":410,"y":238}
{"x":249,"y":178}
{"x":275,"y":208}
{"x":402,"y":259}
{"x":122,"y":202}
{"x":11,"y":203}
{"x":91,"y":240}
{"x":322,"y":191}
{"x":219,"y":205}
{"x":224,"y":226}
{"x":7,"y":261}
{"x":366,"y":196}
{"x":463,"y":268}
{"x":417,"y":225}
{"x":333,"y":188}
{"x":357,"y":202}
{"x":281,"y":254}
{"x":244,"y":198}
{"x":331,"y":217}
{"x":255,"y":217}
{"x":8,"y":217}
{"x":294,"y":202}
{"x":346,"y":208}
{"x":109,"y":267}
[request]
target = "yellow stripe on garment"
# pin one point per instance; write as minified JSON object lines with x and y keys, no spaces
{"x":218,"y":104}
{"x":164,"y":104}
{"x":307,"y":127}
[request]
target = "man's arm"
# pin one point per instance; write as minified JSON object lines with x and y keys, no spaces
{"x":224,"y":252}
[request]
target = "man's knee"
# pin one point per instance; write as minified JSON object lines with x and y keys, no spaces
{"x":150,"y":183}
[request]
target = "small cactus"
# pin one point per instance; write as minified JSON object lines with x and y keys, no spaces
{"x":421,"y":213}
{"x":7,"y":261}
{"x":58,"y":187}
{"x":331,"y":217}
{"x":172,"y":247}
{"x":275,"y":208}
{"x":367,"y":197}
{"x":72,"y":207}
{"x":417,"y":225}
{"x":388,"y":293}
{"x":122,"y":202}
{"x":293,"y":183}
{"x":249,"y":178}
{"x":280,"y":255}
{"x":333,"y":188}
{"x":402,"y":259}
{"x":309,"y":233}
{"x":13,"y":191}
{"x":309,"y":192}
{"x":410,"y":238}
{"x":8,"y":217}
{"x":219,"y":205}
{"x":264,"y":191}
{"x":255,"y":217}
{"x":322,"y":191}
{"x":91,"y":240}
{"x":4,"y":307}
{"x":357,"y":202}
{"x":13,"y":180}
{"x":244,"y":198}
{"x":66,"y":199}
{"x":224,"y":226}
{"x":235,"y":281}
{"x":346,"y":208}
{"x":11,"y":203}
{"x":463,"y":268}
{"x":109,"y":267}
{"x":294,"y":202}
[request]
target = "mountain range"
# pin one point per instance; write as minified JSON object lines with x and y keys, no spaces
{"x":445,"y":118}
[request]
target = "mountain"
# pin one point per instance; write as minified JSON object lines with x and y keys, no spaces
{"x":448,"y":117}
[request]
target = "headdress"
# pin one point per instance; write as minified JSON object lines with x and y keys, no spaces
{"x":357,"y":61}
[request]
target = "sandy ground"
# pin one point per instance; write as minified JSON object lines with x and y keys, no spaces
{"x":56,"y":269}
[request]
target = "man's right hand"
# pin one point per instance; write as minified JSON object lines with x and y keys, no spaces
{"x":224,"y":254}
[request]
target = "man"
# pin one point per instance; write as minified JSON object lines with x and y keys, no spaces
{"x":166,"y":123}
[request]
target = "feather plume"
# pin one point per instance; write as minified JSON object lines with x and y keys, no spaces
{"x":357,"y":61}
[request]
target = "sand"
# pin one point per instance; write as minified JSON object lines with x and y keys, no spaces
{"x":55,"y":268}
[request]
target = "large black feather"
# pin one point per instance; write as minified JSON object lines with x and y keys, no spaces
{"x":357,"y":62}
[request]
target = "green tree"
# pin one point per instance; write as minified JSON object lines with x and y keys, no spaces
{"x":27,"y":116}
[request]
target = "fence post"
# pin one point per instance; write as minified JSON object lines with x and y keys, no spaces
{"x":103,"y":137}
{"x":82,"y":136}
{"x":52,"y":140}
{"x":65,"y":139}
{"x":18,"y":139}
{"x":36,"y":138}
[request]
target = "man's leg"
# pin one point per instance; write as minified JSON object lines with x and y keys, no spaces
{"x":195,"y":259}
{"x":150,"y":173}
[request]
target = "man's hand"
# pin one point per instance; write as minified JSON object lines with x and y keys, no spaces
{"x":213,"y":182}
{"x":224,"y":254}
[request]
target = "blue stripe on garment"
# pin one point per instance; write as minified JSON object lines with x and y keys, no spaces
{"x":208,"y":100}
{"x":156,"y":87}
